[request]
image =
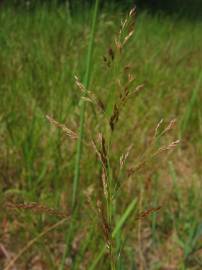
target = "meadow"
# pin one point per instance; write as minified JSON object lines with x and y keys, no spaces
{"x":136,"y":200}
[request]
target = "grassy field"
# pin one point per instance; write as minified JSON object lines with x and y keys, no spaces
{"x":138,"y":199}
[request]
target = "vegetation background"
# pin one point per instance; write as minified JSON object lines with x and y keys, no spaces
{"x":137,"y":201}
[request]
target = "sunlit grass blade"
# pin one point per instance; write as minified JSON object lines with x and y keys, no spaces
{"x":124,"y":217}
{"x":118,"y":227}
{"x":190,"y":107}
{"x":83,"y":105}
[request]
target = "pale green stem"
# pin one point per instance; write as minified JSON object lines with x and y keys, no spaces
{"x":83,"y":106}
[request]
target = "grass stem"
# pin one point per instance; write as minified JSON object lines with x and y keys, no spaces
{"x":83,"y":106}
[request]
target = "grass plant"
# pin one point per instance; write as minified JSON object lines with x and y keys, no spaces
{"x":129,"y":202}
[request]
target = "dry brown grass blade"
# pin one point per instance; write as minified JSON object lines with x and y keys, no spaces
{"x":33,"y":241}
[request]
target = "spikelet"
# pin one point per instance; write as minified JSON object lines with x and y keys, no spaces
{"x":66,"y":130}
{"x":37,"y":208}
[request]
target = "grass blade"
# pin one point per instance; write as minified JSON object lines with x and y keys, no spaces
{"x":190,"y":107}
{"x":83,"y":105}
{"x":117,"y":228}
{"x":124,"y":217}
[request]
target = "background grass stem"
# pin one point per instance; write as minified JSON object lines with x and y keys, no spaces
{"x":83,"y":105}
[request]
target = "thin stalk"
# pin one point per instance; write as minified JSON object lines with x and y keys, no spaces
{"x":86,"y":82}
{"x":83,"y":106}
{"x":67,"y":241}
